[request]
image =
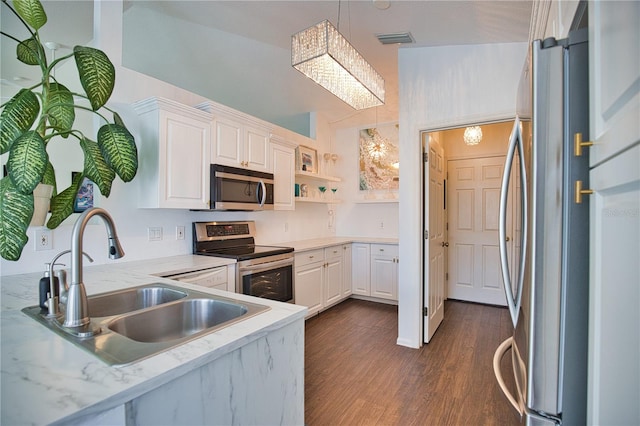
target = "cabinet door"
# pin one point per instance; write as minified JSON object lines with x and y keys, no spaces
{"x":360,"y":278}
{"x":282,"y":161}
{"x":184,"y":162}
{"x":346,"y":270}
{"x":227,"y":144}
{"x":384,"y":272}
{"x":333,"y":275}
{"x":614,"y":59}
{"x":308,"y":286}
{"x":256,"y":149}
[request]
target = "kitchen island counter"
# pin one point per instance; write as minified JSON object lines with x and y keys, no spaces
{"x":47,"y":379}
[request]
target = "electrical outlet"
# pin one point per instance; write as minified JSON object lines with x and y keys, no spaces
{"x":179,"y":232}
{"x":43,"y":239}
{"x":381,"y":225}
{"x":154,"y":233}
{"x":286,"y":227}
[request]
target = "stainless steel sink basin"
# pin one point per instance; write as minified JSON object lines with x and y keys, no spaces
{"x":143,"y":321}
{"x":177,"y":320}
{"x":131,"y":299}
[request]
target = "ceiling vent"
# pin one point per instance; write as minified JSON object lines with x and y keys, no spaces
{"x":395,"y":38}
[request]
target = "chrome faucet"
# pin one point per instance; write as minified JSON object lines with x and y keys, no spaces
{"x":77,"y":315}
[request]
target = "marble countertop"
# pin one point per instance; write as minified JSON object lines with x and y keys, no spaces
{"x":312,"y":244}
{"x":47,"y":379}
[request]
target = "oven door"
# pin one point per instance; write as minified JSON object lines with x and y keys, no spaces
{"x":268,"y":277}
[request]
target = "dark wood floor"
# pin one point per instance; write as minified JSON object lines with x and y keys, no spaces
{"x":356,"y":374}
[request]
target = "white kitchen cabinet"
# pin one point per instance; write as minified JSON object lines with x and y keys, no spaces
{"x":283,"y":165}
{"x":347,"y":263}
{"x":309,"y":276}
{"x":333,"y":275}
{"x":174,"y":155}
{"x":238,"y":144}
{"x":375,"y":271}
{"x":361,"y":261}
{"x":384,"y":271}
{"x":613,"y":389}
{"x":319,"y":278}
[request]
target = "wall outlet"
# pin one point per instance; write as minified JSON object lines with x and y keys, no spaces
{"x":154,"y":233}
{"x":179,"y":232}
{"x":381,"y":225}
{"x":43,"y":239}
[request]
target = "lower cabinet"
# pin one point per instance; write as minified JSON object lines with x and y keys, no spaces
{"x":320,"y":276}
{"x":375,"y":271}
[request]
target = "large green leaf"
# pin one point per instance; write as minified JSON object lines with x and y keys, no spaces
{"x":27,"y":161}
{"x":18,"y":115}
{"x":62,"y":204}
{"x":97,"y":74}
{"x":96,"y":168}
{"x":60,"y":108}
{"x":119,"y":150}
{"x":49,"y":177}
{"x":28,"y":51}
{"x":32,"y":12}
{"x":16,"y":210}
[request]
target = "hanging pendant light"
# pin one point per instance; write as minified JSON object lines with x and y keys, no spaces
{"x":472,"y":135}
{"x":321,"y":53}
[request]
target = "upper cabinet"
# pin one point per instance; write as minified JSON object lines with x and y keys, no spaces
{"x":174,"y":155}
{"x":283,"y":163}
{"x":238,"y":140}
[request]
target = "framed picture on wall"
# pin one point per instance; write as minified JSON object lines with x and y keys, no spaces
{"x":306,"y":159}
{"x":379,"y":159}
{"x":84,"y":197}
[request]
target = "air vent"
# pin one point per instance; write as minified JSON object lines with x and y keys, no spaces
{"x":395,"y":38}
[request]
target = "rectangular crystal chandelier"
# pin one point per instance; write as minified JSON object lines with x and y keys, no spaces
{"x":321,"y":53}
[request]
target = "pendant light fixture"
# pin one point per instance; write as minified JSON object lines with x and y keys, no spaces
{"x":472,"y":135}
{"x":323,"y":54}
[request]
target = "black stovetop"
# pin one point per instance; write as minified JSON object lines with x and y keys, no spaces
{"x":233,"y":240}
{"x":244,"y":252}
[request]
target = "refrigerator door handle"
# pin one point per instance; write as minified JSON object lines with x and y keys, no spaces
{"x":515,"y":143}
{"x":497,"y":356}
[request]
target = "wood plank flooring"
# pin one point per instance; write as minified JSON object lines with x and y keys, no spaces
{"x":356,"y":374}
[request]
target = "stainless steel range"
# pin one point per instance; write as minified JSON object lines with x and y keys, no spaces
{"x":261,"y":271}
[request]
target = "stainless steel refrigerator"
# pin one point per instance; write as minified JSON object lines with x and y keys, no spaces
{"x":545,"y":268}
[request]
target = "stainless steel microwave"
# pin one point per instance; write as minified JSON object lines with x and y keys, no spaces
{"x":233,"y":188}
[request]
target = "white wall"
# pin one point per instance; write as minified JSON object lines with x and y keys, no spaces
{"x":442,"y":87}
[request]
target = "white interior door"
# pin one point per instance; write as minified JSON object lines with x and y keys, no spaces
{"x":434,"y":250}
{"x":474,"y":258}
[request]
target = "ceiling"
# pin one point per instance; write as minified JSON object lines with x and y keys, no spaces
{"x":238,"y":52}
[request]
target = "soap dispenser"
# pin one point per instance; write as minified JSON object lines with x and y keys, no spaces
{"x":45,"y":287}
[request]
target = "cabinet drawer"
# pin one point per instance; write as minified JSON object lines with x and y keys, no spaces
{"x":332,"y":252}
{"x":308,"y":257}
{"x":384,"y":250}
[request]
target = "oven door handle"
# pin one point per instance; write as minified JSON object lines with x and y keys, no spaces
{"x":261,"y":267}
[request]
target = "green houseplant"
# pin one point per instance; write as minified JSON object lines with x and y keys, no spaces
{"x":44,"y":113}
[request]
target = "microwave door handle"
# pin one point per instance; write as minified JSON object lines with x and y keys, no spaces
{"x":264,"y":193}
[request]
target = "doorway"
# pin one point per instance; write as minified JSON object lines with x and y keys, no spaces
{"x":462,"y":262}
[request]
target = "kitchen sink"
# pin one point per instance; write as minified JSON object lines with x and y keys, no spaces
{"x":177,"y":320}
{"x":131,"y":299}
{"x":140,"y":322}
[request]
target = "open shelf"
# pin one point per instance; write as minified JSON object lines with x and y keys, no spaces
{"x":317,"y":200}
{"x":317,"y":176}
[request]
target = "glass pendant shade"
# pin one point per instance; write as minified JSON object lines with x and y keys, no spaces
{"x":321,"y":53}
{"x":472,"y":135}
